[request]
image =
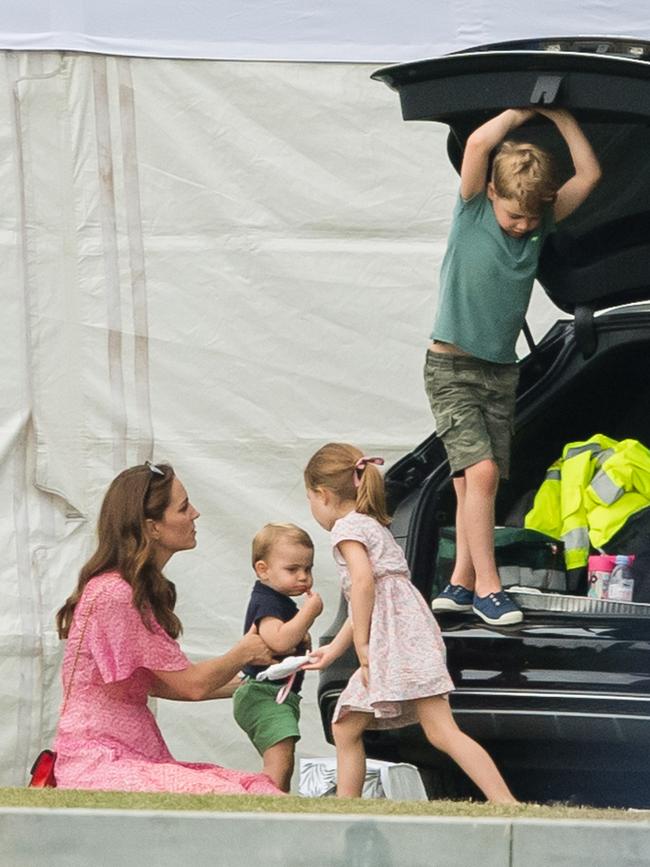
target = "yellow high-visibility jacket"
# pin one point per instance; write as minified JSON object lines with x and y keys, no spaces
{"x":589,"y":494}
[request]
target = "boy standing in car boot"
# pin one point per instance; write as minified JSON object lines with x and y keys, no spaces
{"x":497,"y":232}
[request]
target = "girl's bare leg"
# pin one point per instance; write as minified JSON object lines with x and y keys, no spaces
{"x":434,"y":714}
{"x":350,"y":754}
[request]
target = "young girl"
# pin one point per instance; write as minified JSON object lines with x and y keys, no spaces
{"x":402,"y":677}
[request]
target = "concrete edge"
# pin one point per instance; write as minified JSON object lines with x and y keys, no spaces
{"x":76,"y":837}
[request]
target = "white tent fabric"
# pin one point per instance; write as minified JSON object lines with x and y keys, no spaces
{"x":220,"y":265}
{"x":363,"y":31}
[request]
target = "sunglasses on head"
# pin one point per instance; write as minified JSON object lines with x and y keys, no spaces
{"x":154,"y":468}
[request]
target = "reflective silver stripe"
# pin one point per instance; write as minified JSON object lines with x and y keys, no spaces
{"x":577,"y":539}
{"x":578,"y":450}
{"x":553,"y":475}
{"x":605,"y":488}
{"x":603,"y":456}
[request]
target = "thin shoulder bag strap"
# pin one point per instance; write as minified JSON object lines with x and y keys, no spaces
{"x":76,"y":656}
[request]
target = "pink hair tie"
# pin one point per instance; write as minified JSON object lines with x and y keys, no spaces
{"x":360,"y":466}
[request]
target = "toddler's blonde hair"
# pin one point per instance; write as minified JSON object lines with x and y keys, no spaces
{"x":270,"y":535}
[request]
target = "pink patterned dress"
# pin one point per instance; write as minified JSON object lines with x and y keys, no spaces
{"x":107,"y":737}
{"x":406,"y":657}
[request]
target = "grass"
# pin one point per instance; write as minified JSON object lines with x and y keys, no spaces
{"x":69,"y":798}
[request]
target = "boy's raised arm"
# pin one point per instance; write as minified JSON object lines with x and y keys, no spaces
{"x":285,"y":636}
{"x":586,"y":165}
{"x":473,"y":172}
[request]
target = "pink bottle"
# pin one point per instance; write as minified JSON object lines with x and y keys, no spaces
{"x":599,"y":570}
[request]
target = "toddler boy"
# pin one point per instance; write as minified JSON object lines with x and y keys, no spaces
{"x":282,"y":559}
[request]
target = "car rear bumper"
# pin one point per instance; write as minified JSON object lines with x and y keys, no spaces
{"x":536,"y":716}
{"x":584,"y":717}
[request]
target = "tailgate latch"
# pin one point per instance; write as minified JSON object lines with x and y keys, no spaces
{"x":546,"y":89}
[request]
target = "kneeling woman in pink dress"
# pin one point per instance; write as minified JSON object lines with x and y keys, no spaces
{"x":121,"y":630}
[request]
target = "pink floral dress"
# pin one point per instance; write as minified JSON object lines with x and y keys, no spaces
{"x":406,"y":658}
{"x":107,"y":737}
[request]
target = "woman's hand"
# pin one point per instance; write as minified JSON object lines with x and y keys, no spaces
{"x":254,"y":648}
{"x":213,"y":678}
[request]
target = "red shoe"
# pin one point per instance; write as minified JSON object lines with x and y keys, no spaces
{"x":43,"y":771}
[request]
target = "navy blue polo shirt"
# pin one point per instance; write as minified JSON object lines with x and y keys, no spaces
{"x":267,"y":602}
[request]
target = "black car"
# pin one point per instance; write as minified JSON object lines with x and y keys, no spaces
{"x":562,"y":700}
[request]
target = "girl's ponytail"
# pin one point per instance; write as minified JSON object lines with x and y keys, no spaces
{"x":350,"y":475}
{"x":371,"y":496}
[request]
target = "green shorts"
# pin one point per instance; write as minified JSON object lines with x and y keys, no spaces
{"x":264,"y":720}
{"x":473,"y":402}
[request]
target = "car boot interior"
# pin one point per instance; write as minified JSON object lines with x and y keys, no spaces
{"x":606,"y":394}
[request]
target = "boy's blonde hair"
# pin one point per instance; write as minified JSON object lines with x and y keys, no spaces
{"x":526,"y":173}
{"x":334,"y":467}
{"x":270,"y":535}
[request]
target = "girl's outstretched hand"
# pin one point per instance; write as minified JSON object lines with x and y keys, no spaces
{"x":322,"y":657}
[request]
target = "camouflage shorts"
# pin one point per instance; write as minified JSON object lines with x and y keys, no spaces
{"x":473,"y":402}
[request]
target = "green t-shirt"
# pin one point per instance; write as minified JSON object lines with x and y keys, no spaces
{"x":486,"y":280}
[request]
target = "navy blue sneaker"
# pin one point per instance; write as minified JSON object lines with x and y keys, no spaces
{"x":497,"y":609}
{"x":453,"y":598}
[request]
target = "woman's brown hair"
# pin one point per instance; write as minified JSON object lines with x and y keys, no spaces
{"x":124,"y":546}
{"x":334,"y":467}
